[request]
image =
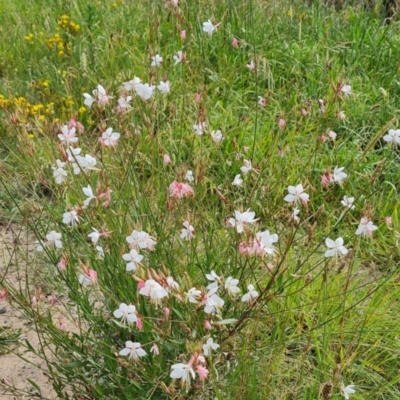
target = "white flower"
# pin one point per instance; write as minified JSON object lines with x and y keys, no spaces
{"x":100,"y":252}
{"x":54,"y":238}
{"x":144,"y":91}
{"x":213,"y":303}
{"x":241,"y":219}
{"x":335,"y":247}
{"x":156,"y":60}
{"x":266,"y":240}
{"x":366,"y":227}
{"x":153,"y":290}
{"x":246,"y":166}
{"x":187,"y":231}
{"x":141,"y":240}
{"x":130,"y":85}
{"x":164,"y":87}
{"x":39,"y":245}
{"x":251,"y":65}
{"x":199,"y":128}
{"x":262,"y":101}
{"x":133,"y":350}
{"x":182,"y":371}
{"x":59,"y":173}
{"x":213,"y":277}
{"x":94,"y":236}
{"x":126,"y":313}
{"x":393,"y":137}
{"x":348,"y":202}
{"x":89,"y":100}
{"x":346,"y":90}
{"x":67,"y":136}
{"x":209,"y":346}
{"x":217,"y":136}
{"x":72,"y":154}
{"x":87,"y":163}
{"x":296,"y":193}
{"x":132,"y":259}
{"x":109,"y":138}
{"x":208,"y":27}
{"x":231,"y":286}
{"x":193,"y":295}
{"x":332,"y":135}
{"x":88,"y":192}
{"x":100,"y":96}
{"x":238,"y":181}
{"x":124,"y":103}
{"x":250,"y":295}
{"x":178,"y":57}
{"x":155,"y":350}
{"x":71,"y":218}
{"x":347,"y":391}
{"x":189,"y":176}
{"x":338,"y":175}
{"x":296,"y":211}
{"x":171,"y":283}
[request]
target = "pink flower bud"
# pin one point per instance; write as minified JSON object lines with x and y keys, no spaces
{"x":201,"y":359}
{"x":73,"y":123}
{"x":155,"y":350}
{"x":34,"y":301}
{"x":141,"y":285}
{"x":3,"y":294}
{"x":235,"y":43}
{"x":179,"y":190}
{"x":139,"y":324}
{"x":52,"y":299}
{"x":92,"y":274}
{"x":183,"y":35}
{"x":304,"y":112}
{"x":167,"y":159}
{"x":323,"y":138}
{"x":62,"y":265}
{"x":282,"y":123}
{"x":326,"y":179}
{"x":198,"y":97}
{"x":388,"y":221}
{"x":167,"y":312}
{"x":62,"y":324}
{"x":202,"y":371}
{"x":207,"y":324}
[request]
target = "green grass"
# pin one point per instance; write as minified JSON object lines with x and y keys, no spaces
{"x":317,"y":320}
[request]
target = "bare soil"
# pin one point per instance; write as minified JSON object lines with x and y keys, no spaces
{"x":14,"y":371}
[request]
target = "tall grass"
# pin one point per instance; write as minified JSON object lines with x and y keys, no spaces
{"x":312,"y":324}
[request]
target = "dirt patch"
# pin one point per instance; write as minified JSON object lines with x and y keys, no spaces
{"x":14,"y":371}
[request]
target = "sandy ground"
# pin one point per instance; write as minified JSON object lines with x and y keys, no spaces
{"x":13,"y":370}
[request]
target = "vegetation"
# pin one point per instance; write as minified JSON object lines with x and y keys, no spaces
{"x":229,"y":228}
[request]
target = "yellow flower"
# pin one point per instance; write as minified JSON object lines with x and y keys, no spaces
{"x":31,"y":135}
{"x":19,"y":101}
{"x":3,"y":101}
{"x":29,"y":37}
